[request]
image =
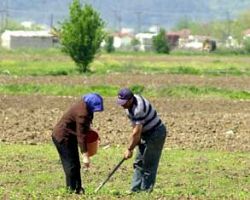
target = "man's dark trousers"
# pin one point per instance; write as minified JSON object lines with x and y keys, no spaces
{"x":147,"y":159}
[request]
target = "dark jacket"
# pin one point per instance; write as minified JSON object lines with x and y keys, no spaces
{"x":76,"y":121}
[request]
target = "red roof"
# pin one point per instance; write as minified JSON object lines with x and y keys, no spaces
{"x":121,"y":35}
{"x":246,"y":32}
{"x":184,"y":33}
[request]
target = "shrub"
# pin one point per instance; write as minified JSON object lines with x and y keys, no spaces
{"x":109,"y":44}
{"x":160,"y":42}
{"x":247,"y":45}
{"x":135,"y":43}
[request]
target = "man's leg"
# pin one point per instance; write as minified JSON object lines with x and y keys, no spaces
{"x":138,"y":169}
{"x":151,"y":158}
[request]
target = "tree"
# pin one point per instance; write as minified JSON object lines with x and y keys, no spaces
{"x":135,"y":43}
{"x":160,"y":42}
{"x":109,"y":44}
{"x":81,"y":35}
{"x":219,"y":29}
{"x":246,"y":44}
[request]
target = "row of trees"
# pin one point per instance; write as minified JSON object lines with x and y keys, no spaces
{"x":218,"y":29}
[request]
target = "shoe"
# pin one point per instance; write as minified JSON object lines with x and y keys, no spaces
{"x":131,"y":192}
{"x":80,"y":191}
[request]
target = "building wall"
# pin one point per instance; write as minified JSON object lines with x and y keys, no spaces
{"x":5,"y":42}
{"x":30,"y":42}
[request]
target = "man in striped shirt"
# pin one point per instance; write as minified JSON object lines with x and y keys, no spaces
{"x":149,"y":134}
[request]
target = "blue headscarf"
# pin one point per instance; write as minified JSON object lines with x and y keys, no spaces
{"x":94,"y":102}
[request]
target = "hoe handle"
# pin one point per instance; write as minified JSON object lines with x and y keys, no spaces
{"x":109,"y":176}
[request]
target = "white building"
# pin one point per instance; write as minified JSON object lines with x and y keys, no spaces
{"x":122,"y":40}
{"x":146,"y":40}
{"x":194,"y":42}
{"x":27,"y":39}
{"x":154,"y":29}
{"x":231,"y":42}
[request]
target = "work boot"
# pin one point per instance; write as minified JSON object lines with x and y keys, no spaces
{"x":132,"y":192}
{"x":129,"y":192}
{"x":80,"y":191}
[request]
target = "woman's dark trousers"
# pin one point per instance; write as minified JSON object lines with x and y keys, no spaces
{"x":68,"y":152}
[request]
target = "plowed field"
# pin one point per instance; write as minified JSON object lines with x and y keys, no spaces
{"x":192,"y":123}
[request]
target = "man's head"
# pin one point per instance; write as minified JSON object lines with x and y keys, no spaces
{"x":94,"y":102}
{"x":125,"y":98}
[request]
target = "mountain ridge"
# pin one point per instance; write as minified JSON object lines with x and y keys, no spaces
{"x":142,"y":13}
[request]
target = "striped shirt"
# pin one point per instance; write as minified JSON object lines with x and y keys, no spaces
{"x":143,"y":113}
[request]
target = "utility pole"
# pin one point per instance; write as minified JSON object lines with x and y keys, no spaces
{"x":138,"y":14}
{"x":228,"y":24}
{"x":116,"y":21}
{"x":51,"y":20}
{"x":1,"y":22}
{"x":119,"y":18}
{"x":6,"y":13}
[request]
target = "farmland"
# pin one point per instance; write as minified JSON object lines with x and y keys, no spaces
{"x":203,"y":99}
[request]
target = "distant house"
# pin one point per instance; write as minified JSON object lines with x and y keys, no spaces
{"x":146,"y":41}
{"x":175,"y":38}
{"x":246,"y":33}
{"x":231,"y":42}
{"x":122,"y":40}
{"x":194,"y":42}
{"x":27,"y":39}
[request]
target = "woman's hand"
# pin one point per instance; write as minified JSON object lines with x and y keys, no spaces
{"x":86,"y":160}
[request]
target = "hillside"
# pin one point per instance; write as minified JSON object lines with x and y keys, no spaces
{"x":139,"y":13}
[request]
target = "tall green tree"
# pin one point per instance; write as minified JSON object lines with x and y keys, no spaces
{"x":81,"y":35}
{"x":109,"y":44}
{"x":135,"y":43}
{"x":160,"y":42}
{"x":246,"y":44}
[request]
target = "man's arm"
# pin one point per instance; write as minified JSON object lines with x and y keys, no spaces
{"x":134,"y":140}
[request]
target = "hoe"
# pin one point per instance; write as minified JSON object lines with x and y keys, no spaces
{"x":109,"y":176}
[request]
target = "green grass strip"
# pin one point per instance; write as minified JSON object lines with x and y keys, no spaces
{"x":37,"y":67}
{"x":58,"y":69}
{"x":194,"y":91}
{"x":57,"y":90}
{"x":183,"y":91}
{"x":159,"y":67}
{"x":41,"y":66}
{"x":233,"y":71}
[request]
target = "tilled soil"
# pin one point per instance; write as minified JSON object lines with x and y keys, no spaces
{"x":192,"y":124}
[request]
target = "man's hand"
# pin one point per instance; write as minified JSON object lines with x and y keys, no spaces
{"x":86,"y":160}
{"x":128,"y":154}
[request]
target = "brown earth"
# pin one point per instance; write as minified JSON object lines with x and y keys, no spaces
{"x":192,"y":123}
